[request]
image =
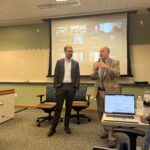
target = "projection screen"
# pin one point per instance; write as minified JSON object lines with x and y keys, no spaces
{"x":87,"y":35}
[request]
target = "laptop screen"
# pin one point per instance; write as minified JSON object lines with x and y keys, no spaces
{"x":119,"y":104}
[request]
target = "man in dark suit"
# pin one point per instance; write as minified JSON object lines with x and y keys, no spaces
{"x":66,"y":81}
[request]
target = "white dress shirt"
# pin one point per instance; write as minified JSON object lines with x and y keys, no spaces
{"x":67,"y":71}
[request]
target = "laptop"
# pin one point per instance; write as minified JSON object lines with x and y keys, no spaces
{"x":120,"y":107}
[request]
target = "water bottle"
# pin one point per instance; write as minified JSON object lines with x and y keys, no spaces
{"x":139,"y":106}
{"x":146,"y":98}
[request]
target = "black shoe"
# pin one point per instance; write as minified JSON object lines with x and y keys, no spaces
{"x":51,"y":132}
{"x":68,"y":131}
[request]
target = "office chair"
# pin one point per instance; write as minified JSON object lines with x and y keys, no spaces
{"x":80,"y":102}
{"x":147,"y":139}
{"x":48,"y":105}
{"x":132,"y":134}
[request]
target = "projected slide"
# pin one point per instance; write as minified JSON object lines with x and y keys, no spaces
{"x":87,"y":35}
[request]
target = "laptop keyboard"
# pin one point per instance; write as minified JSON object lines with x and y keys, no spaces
{"x":120,"y":116}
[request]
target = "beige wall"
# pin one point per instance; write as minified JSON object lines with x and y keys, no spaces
{"x":26,"y":93}
{"x":26,"y":43}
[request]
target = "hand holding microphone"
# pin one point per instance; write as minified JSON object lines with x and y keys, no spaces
{"x":101,"y":64}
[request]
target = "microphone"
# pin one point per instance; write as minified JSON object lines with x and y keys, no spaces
{"x":100,"y":60}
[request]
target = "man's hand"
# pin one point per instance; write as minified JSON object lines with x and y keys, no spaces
{"x":103,"y":65}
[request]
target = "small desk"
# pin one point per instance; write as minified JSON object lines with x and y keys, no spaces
{"x":124,"y":124}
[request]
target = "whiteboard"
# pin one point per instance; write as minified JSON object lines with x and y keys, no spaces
{"x":29,"y":65}
{"x":140,"y":62}
{"x":32,"y":64}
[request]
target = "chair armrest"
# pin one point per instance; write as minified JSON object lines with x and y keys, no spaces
{"x":41,"y":98}
{"x":130,"y":131}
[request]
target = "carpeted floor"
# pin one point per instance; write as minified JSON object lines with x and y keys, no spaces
{"x":22,"y":133}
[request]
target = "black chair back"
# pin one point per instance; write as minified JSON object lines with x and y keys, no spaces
{"x":80,"y":94}
{"x":50,"y":93}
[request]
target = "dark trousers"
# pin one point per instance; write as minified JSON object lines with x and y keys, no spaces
{"x":66,"y":91}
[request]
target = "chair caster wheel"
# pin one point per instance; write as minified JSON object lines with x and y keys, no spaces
{"x":78,"y":122}
{"x":38,"y":125}
{"x":37,"y":120}
{"x":89,"y":119}
{"x":49,"y":120}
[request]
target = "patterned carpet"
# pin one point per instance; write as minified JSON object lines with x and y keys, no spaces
{"x":22,"y":133}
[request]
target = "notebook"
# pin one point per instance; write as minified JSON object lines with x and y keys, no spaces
{"x":120,"y":107}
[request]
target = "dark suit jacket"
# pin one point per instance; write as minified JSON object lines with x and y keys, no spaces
{"x":60,"y":70}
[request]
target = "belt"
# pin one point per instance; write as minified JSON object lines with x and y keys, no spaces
{"x":101,"y":89}
{"x":66,"y":83}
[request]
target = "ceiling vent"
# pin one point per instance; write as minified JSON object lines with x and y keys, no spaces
{"x":60,"y":3}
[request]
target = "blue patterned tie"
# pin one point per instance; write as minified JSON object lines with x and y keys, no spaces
{"x":101,"y":78}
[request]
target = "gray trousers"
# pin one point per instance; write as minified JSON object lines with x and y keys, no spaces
{"x":66,"y":91}
{"x":100,"y":103}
